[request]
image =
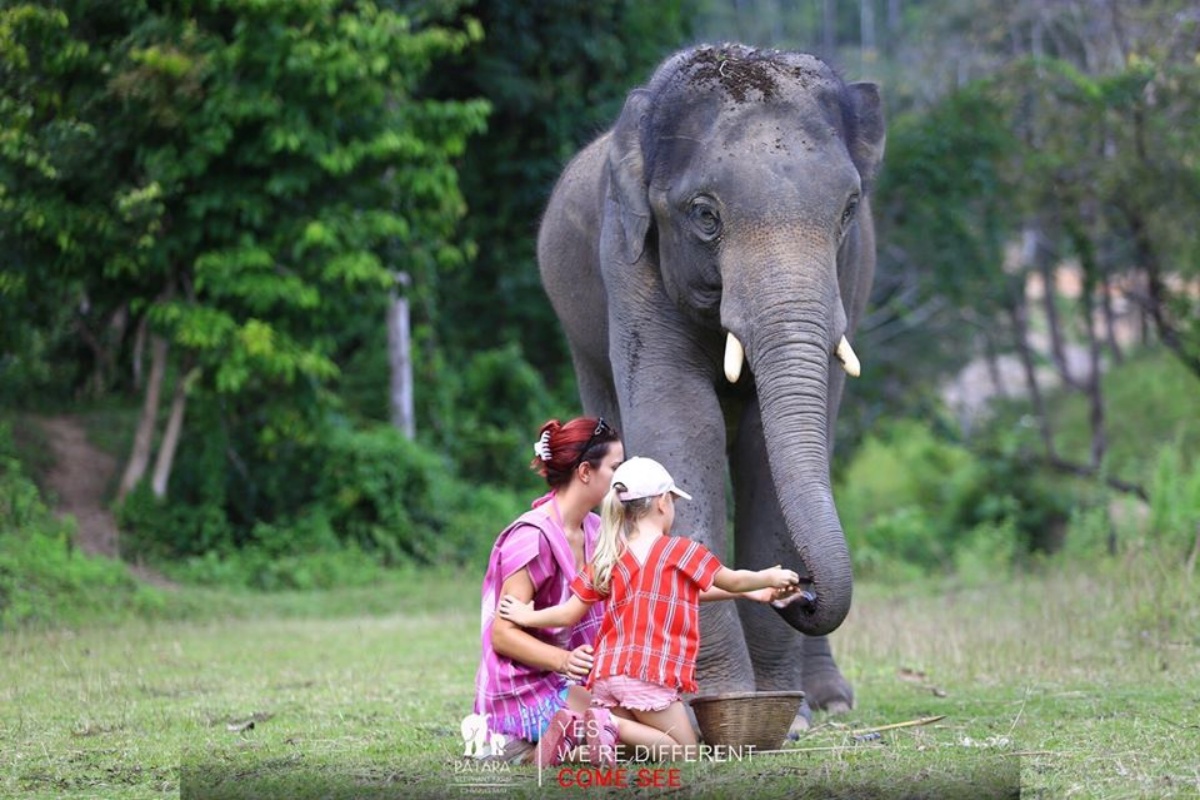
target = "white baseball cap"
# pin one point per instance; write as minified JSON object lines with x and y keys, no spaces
{"x":644,"y":477}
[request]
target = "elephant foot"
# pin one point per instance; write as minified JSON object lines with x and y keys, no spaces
{"x":832,"y":695}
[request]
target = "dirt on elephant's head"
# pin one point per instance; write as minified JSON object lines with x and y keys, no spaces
{"x":739,"y":70}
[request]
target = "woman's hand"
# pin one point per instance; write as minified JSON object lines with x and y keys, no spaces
{"x":767,"y":595}
{"x":514,"y":610}
{"x":578,"y":662}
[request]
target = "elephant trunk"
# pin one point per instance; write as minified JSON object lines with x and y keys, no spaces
{"x":791,"y":377}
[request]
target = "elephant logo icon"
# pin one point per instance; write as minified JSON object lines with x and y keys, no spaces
{"x":478,"y":742}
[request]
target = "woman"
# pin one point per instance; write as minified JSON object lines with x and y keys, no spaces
{"x":526,"y":677}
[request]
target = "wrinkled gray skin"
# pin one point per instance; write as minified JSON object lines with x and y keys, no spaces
{"x":730,"y":196}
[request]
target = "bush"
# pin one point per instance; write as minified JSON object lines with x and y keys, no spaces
{"x":492,"y":389}
{"x":899,"y":500}
{"x":256,"y":568}
{"x":394,"y":497}
{"x":912,"y":503}
{"x":1175,"y":502}
{"x":378,"y":501}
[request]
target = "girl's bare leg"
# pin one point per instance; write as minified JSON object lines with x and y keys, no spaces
{"x":675,"y":726}
{"x":638,"y":738}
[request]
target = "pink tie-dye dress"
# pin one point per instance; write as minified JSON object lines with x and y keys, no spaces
{"x":519,"y":700}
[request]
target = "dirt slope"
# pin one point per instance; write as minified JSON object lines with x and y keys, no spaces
{"x":79,"y":480}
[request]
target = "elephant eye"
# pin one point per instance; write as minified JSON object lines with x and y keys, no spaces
{"x":705,"y":218}
{"x":849,"y":211}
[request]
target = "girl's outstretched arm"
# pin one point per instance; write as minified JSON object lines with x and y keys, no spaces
{"x":524,"y":614}
{"x":745,"y":580}
{"x":768,"y":595}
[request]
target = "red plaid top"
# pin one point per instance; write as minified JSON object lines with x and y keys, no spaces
{"x":651,"y":628}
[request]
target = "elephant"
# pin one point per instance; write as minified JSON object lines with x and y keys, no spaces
{"x":708,"y":258}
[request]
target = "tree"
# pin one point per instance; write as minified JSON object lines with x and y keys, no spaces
{"x":240,"y":178}
{"x":556,"y":74}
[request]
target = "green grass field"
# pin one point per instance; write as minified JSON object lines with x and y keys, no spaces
{"x":1060,"y":685}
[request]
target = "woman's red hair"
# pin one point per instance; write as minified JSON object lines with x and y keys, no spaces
{"x":565,"y":444}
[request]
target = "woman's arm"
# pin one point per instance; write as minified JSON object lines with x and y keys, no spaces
{"x":510,"y":641}
{"x":559,"y":616}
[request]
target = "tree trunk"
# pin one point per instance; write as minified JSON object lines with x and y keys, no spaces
{"x":1017,"y":314}
{"x":170,"y":443}
{"x":143,"y":440}
{"x":1110,"y":320}
{"x":400,"y":360}
{"x":829,"y":30}
{"x":992,"y":359}
{"x":1156,"y":289}
{"x":866,"y":20}
{"x":1043,"y":261}
{"x":139,"y":348}
{"x":1095,"y":385}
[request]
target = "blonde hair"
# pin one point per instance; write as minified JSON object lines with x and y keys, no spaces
{"x":617,"y":520}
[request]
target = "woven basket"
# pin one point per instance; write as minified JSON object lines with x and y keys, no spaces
{"x":740,"y":719}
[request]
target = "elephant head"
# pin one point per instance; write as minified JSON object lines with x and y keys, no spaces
{"x":741,"y":176}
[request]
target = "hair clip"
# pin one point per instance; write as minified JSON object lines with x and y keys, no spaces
{"x":541,"y":448}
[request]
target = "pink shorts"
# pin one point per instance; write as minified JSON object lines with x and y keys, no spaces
{"x":632,"y":693}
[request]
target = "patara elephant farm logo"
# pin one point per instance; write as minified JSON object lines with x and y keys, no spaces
{"x":481,"y":768}
{"x":478,"y":741}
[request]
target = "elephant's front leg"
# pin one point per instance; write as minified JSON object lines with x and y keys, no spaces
{"x":670,"y":413}
{"x":783,"y":659}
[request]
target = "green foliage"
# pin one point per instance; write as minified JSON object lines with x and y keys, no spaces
{"x":395,"y":498}
{"x":945,"y":199}
{"x":494,"y":388}
{"x":893,"y":499}
{"x":913,"y":502}
{"x":1151,"y":400}
{"x":244,"y":180}
{"x":1174,"y":524}
{"x":256,"y":567}
{"x":946,"y":209}
{"x":44,"y":579}
{"x":363,"y":500}
{"x":556,"y":74}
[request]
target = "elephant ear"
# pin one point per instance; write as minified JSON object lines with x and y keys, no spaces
{"x":627,"y":176}
{"x":870,"y":130}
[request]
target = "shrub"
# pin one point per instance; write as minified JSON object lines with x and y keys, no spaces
{"x":1175,"y":502}
{"x":912,"y":502}
{"x":492,"y":389}
{"x":899,"y":499}
{"x":394,"y":497}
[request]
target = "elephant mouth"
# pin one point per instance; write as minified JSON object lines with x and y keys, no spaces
{"x":735,"y":358}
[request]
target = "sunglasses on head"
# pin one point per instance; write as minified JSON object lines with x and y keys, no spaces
{"x":601,"y":428}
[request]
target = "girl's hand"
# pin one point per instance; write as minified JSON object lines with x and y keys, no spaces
{"x":514,"y":610}
{"x":780,"y":578}
{"x":578,"y":662}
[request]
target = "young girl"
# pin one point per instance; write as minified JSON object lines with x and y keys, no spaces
{"x":645,"y":652}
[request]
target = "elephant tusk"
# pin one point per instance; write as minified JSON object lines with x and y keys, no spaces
{"x":845,"y":354}
{"x":735,"y":357}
